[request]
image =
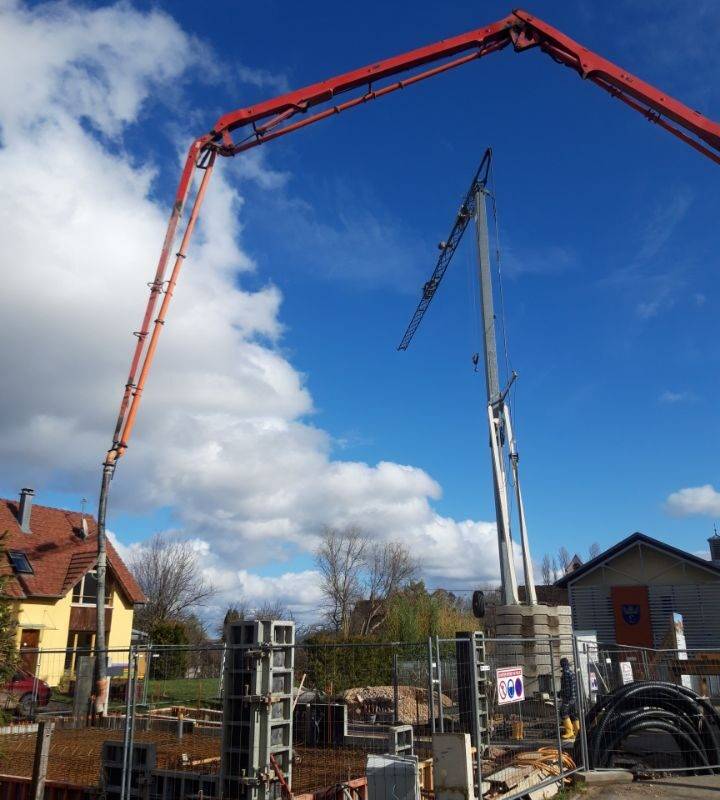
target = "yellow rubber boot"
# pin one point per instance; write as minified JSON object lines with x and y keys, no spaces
{"x":567,"y":731}
{"x":576,"y":727}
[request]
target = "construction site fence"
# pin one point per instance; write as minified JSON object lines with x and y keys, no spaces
{"x":363,"y":712}
{"x":654,"y":711}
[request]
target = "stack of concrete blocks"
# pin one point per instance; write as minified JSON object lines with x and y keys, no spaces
{"x":400,"y":740}
{"x":146,"y":781}
{"x":143,"y":763}
{"x":535,"y":625}
{"x":257,"y":709}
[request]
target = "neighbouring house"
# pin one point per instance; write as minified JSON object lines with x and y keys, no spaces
{"x":636,"y":591}
{"x":51,"y":556}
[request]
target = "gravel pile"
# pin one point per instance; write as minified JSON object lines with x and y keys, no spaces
{"x":364,"y":701}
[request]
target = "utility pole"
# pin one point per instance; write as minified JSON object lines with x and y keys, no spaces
{"x":508,"y":581}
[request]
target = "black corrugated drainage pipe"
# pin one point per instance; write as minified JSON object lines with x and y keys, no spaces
{"x":646,"y":708}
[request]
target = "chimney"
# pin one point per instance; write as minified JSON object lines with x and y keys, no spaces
{"x":25,"y":509}
{"x":714,"y":542}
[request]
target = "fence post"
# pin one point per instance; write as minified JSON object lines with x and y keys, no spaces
{"x":40,"y":764}
{"x":131,"y":738}
{"x":431,"y":699}
{"x":557,"y":710}
{"x":148,"y":663}
{"x":396,"y":690}
{"x":582,"y":710}
{"x":439,"y":683}
{"x":126,"y":733}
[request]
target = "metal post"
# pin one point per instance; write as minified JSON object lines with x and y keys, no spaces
{"x":126,"y":733}
{"x":439,"y":683}
{"x":508,"y":581}
{"x":476,"y":722}
{"x":530,"y":594}
{"x":36,"y":678}
{"x":40,"y":764}
{"x":581,"y":704}
{"x":222,"y":671}
{"x":646,"y":665}
{"x":431,"y":699}
{"x":148,"y":662}
{"x":555,"y":704}
{"x":396,"y":691}
{"x":131,"y":741}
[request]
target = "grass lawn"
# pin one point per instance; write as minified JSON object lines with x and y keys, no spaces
{"x":194,"y":692}
{"x":183,"y":691}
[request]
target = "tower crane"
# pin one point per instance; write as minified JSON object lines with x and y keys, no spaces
{"x":244,"y":128}
{"x":498,"y":410}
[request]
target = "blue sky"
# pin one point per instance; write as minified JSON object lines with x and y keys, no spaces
{"x":608,"y":246}
{"x":606,"y":225}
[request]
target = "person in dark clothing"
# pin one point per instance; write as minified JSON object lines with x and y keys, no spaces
{"x":568,"y":701}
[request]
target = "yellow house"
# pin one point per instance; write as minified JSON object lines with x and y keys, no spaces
{"x":50,"y":555}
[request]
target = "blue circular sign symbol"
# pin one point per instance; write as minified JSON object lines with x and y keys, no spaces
{"x":518,"y":687}
{"x":511,"y":688}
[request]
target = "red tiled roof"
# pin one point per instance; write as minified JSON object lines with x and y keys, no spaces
{"x":58,"y":555}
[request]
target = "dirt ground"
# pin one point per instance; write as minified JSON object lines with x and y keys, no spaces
{"x":75,"y":757}
{"x":687,"y":787}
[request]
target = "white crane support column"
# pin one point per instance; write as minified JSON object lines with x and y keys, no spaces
{"x":508,"y":581}
{"x":502,"y":512}
{"x":530,"y":593}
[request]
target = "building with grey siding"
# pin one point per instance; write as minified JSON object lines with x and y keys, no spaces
{"x":629,"y":593}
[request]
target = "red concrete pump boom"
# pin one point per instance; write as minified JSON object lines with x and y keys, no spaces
{"x":252,"y":126}
{"x":272,"y":118}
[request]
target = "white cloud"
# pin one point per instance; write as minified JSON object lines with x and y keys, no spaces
{"x":262,"y":78}
{"x":223,"y":437}
{"x":694,"y":500}
{"x":551,"y":260}
{"x":672,"y":398}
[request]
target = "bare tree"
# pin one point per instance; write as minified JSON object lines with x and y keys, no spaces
{"x":564,"y":558}
{"x":236,"y":613}
{"x":555,"y":571}
{"x":547,"y":575}
{"x":270,"y":609}
{"x":389,"y":567}
{"x":273,"y":609}
{"x":594,"y":550}
{"x":169,"y":573}
{"x":340,"y":559}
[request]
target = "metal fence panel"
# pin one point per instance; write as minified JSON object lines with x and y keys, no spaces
{"x":351,"y":700}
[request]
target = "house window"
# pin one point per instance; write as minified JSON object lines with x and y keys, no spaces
{"x":20,"y":562}
{"x":85,"y":590}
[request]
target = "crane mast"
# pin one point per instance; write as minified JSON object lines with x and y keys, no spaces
{"x":474,"y":207}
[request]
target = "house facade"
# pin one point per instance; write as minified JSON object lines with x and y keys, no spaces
{"x":632,"y":594}
{"x":50,"y":557}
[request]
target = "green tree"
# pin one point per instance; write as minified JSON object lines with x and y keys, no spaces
{"x":8,"y":622}
{"x":332,"y":664}
{"x":169,"y":662}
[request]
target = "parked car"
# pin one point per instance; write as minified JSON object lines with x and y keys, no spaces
{"x":23,"y":693}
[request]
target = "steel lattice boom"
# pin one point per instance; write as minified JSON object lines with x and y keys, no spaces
{"x":448,"y":248}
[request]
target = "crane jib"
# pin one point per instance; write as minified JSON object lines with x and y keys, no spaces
{"x":448,"y":247}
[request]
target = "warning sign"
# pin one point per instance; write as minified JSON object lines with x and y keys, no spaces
{"x":510,"y":685}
